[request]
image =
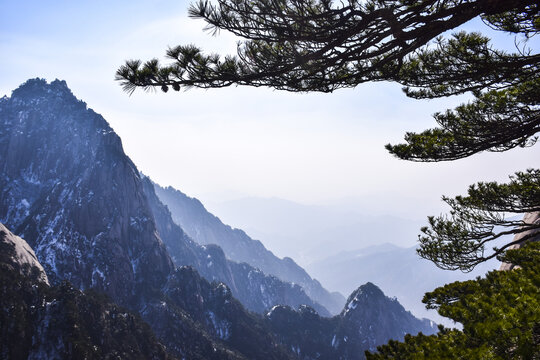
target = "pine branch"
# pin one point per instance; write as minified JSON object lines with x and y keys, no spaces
{"x":459,"y":240}
{"x":318,"y":45}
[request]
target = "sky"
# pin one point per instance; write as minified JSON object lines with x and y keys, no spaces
{"x":223,"y":144}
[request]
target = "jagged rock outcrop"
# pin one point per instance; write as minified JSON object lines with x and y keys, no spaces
{"x":374,"y":318}
{"x":206,"y":228}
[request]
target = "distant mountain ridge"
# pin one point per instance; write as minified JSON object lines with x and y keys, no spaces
{"x":398,"y":271}
{"x":310,"y":233}
{"x":257,"y":290}
{"x":205,"y":228}
{"x":69,"y":190}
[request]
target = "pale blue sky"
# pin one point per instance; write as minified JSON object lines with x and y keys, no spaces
{"x":215,"y":144}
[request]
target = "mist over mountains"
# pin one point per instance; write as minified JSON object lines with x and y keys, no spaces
{"x":206,"y":228}
{"x":342,"y":247}
{"x":398,"y":271}
{"x":309,"y":233}
{"x":117,"y":262}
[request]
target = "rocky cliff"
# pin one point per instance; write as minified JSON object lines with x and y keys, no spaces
{"x":69,"y":190}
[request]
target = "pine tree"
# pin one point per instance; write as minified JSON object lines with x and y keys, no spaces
{"x":500,"y":314}
{"x":320,"y":45}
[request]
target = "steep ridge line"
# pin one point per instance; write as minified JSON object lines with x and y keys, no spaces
{"x":206,"y":228}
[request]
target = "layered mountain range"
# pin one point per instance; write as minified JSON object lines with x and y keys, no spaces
{"x":206,"y":228}
{"x":97,"y":227}
{"x":399,"y":272}
{"x":256,"y":290}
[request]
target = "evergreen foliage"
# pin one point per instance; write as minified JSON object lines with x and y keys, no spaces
{"x":458,"y":240}
{"x":321,"y":45}
{"x":37,"y":321}
{"x":500,"y":315}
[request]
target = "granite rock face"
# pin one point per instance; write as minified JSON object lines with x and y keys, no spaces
{"x":16,"y":255}
{"x":524,"y":237}
{"x":69,"y":190}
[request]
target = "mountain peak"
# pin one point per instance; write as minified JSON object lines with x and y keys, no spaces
{"x":67,"y":188}
{"x":364,"y":295}
{"x":40,"y":88}
{"x":371,"y":288}
{"x":367,"y":290}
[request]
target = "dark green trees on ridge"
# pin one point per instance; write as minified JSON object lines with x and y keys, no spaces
{"x":500,"y":315}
